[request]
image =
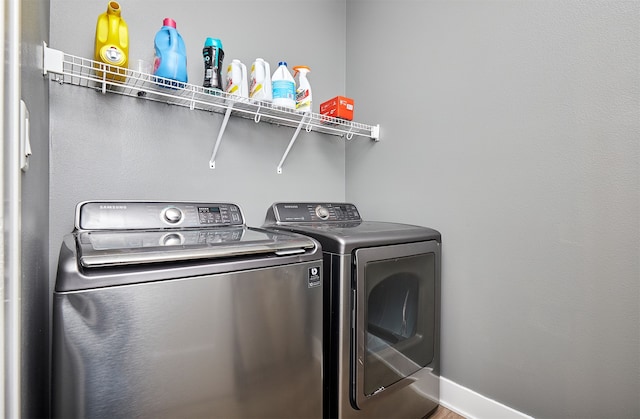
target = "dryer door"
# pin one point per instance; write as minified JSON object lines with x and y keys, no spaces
{"x":393,"y":332}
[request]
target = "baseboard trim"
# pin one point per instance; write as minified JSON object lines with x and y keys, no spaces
{"x":472,"y":405}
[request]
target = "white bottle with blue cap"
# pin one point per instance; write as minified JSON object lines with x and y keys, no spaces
{"x":284,"y":87}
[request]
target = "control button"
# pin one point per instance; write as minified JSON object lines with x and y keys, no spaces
{"x":322,"y":212}
{"x":172,"y":215}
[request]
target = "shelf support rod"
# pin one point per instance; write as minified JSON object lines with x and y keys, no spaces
{"x":227,"y":114}
{"x":293,"y":140}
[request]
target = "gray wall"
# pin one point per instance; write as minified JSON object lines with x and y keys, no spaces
{"x":35,"y":215}
{"x":513,"y":127}
{"x":111,"y":147}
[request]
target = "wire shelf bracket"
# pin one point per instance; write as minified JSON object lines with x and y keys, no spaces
{"x":293,"y":140}
{"x":223,"y":127}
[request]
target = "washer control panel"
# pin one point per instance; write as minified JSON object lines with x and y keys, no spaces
{"x":123,"y":215}
{"x":315,"y":212}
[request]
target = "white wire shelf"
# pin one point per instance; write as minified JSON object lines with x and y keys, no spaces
{"x":69,"y":69}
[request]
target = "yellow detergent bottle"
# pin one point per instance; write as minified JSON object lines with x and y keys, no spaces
{"x":112,"y":43}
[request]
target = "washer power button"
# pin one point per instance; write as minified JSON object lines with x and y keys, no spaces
{"x":172,"y":215}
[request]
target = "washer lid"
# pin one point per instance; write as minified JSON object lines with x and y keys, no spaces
{"x":131,"y":247}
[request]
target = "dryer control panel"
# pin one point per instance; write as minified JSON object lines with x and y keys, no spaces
{"x":314,"y":212}
{"x":124,"y":215}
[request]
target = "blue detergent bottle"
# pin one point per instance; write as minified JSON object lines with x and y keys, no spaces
{"x":170,"y":54}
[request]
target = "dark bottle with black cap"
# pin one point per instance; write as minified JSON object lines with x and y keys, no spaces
{"x":213,"y":55}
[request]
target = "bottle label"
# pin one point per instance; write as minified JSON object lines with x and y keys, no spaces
{"x":156,"y":63}
{"x":255,"y":88}
{"x":306,"y":105}
{"x":231,"y":88}
{"x":284,"y":89}
{"x":212,"y":58}
{"x":208,"y":67}
{"x":302,"y":94}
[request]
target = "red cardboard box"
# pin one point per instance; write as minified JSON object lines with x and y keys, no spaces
{"x":338,"y":107}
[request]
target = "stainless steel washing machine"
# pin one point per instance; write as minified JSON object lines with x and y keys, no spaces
{"x":174,"y":309}
{"x":382,"y":310}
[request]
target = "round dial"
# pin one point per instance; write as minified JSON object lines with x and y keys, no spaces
{"x":172,"y":215}
{"x":322,"y":212}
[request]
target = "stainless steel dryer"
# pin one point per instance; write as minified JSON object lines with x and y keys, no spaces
{"x":382,"y":310}
{"x":167,"y":310}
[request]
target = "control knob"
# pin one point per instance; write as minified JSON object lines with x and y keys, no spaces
{"x":172,"y":215}
{"x":322,"y":212}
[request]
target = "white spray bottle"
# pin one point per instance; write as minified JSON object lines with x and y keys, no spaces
{"x":303,"y":93}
